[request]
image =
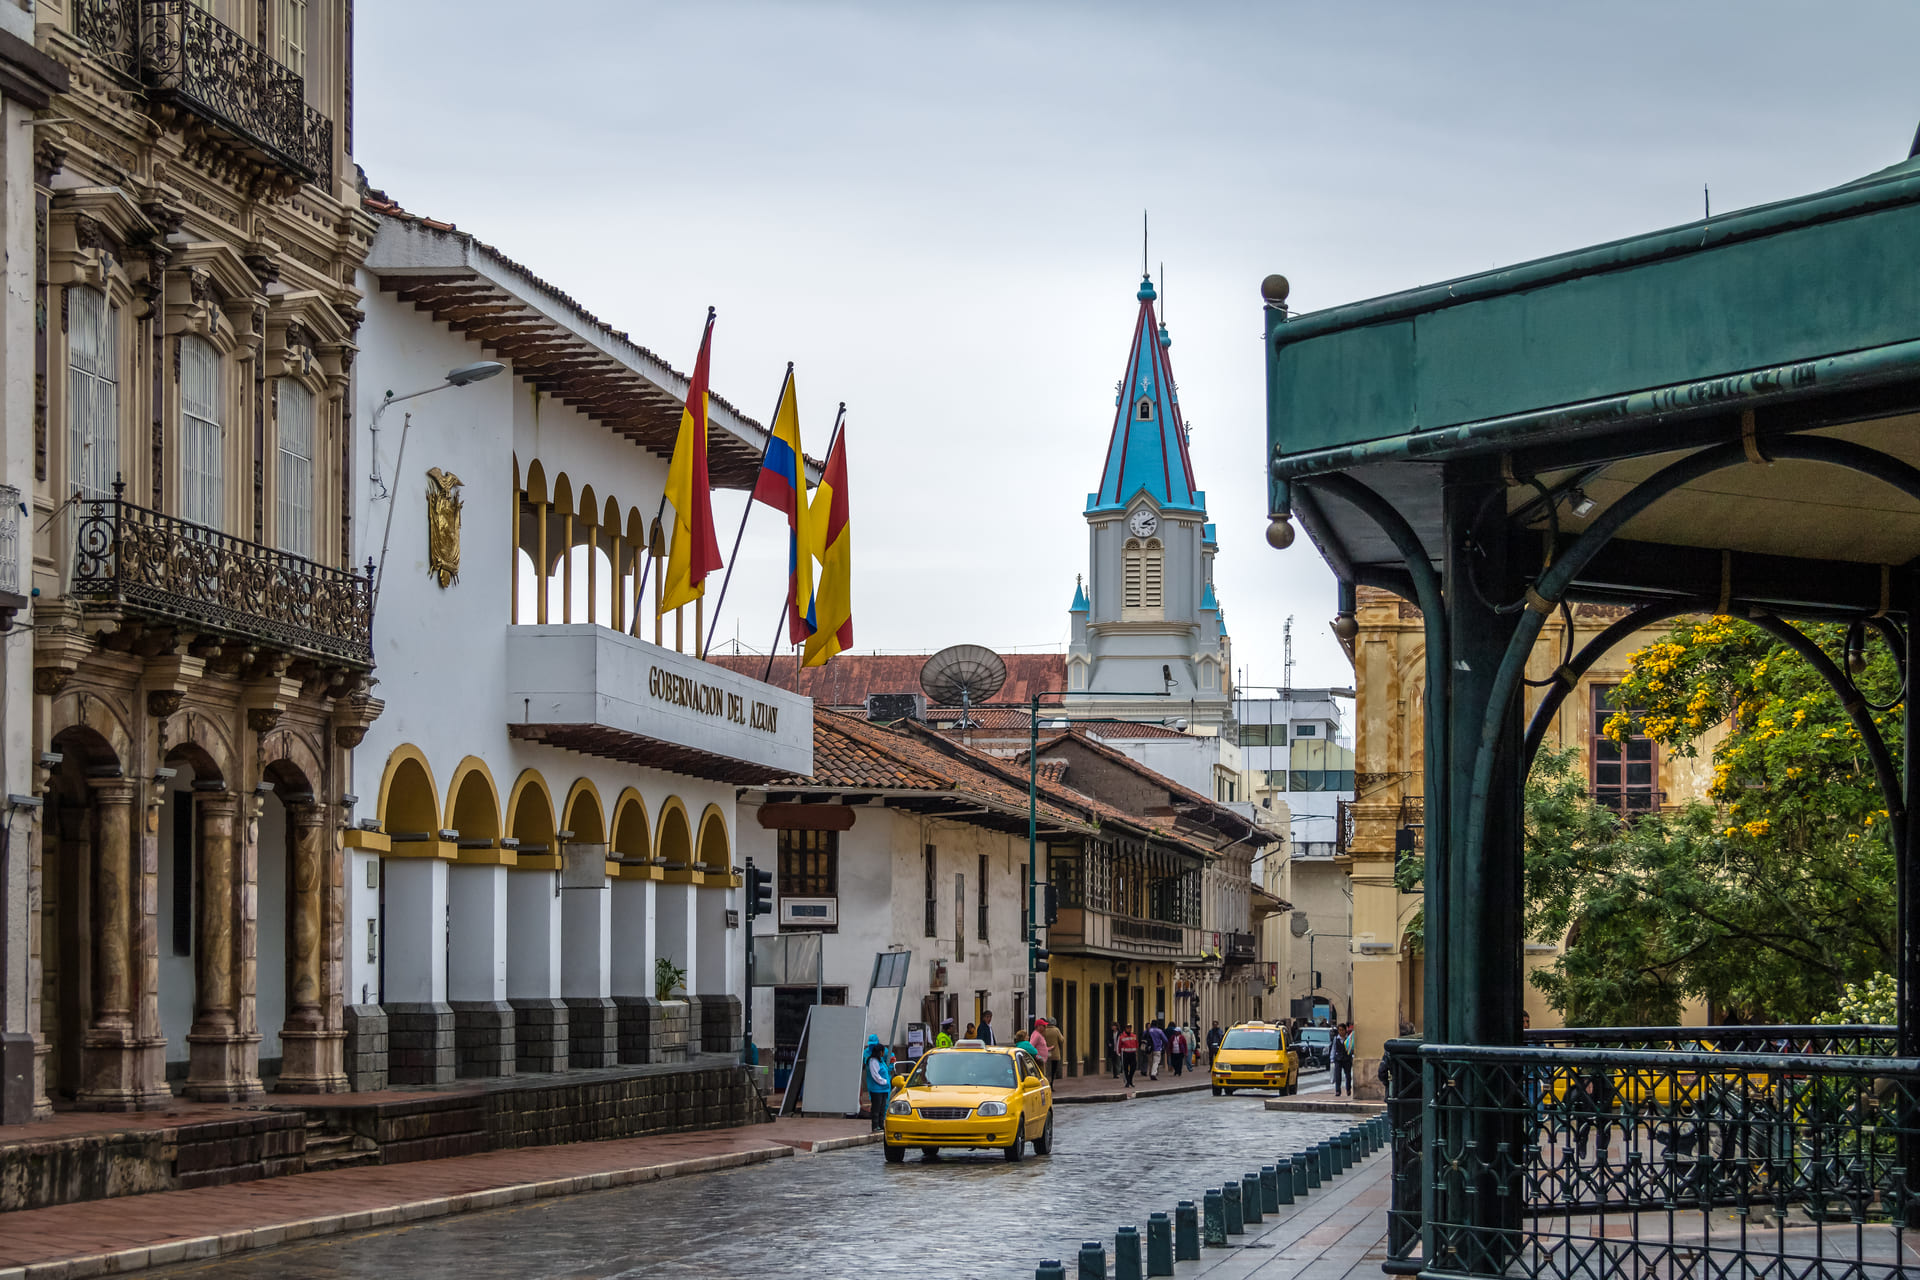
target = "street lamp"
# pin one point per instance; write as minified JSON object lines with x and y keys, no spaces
{"x":463,"y":375}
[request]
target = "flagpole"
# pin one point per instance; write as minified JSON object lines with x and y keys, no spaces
{"x":640,"y":591}
{"x":773,"y":651}
{"x":801,"y":496}
{"x":839,"y":421}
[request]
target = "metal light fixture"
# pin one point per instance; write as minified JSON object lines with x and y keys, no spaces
{"x":1579,"y":503}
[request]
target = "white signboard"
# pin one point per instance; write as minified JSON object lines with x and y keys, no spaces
{"x":835,"y":1039}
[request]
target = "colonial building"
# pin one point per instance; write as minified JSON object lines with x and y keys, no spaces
{"x":1388,"y":814}
{"x":901,"y":840}
{"x":543,"y":873}
{"x":200,"y":645}
{"x":1217,"y":971}
{"x":1147,"y":620}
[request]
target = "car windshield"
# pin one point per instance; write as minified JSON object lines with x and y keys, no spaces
{"x":1315,"y":1035}
{"x":986,"y":1070}
{"x":1238,"y":1039}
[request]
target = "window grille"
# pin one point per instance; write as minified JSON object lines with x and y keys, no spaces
{"x":933,"y":893}
{"x":809,"y":864}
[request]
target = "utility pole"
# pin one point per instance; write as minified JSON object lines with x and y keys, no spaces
{"x":1286,"y":667}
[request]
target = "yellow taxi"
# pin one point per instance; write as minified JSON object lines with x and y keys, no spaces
{"x":974,"y":1095}
{"x":1256,"y":1055}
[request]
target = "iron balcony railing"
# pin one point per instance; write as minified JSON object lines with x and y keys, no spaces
{"x":1238,"y":947}
{"x":186,"y":57}
{"x":1696,"y":1158}
{"x":162,"y":567}
{"x":1126,"y":928}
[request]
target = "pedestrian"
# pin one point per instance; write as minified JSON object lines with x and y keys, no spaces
{"x":969,"y":1035}
{"x":1214,"y":1036}
{"x":985,"y":1034}
{"x":1342,"y":1058}
{"x":1113,"y":1048}
{"x":879,"y":1079}
{"x":944,"y":1040}
{"x":1157,"y":1045}
{"x":1179,"y":1049}
{"x":1129,"y":1046}
{"x":1056,"y":1049}
{"x":1041,"y":1049}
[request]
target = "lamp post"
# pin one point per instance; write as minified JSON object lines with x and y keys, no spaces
{"x":461,"y":376}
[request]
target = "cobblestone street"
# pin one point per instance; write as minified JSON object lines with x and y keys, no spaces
{"x":838,"y":1214}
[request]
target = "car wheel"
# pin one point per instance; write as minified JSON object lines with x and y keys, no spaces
{"x":1018,"y":1148}
{"x":1227,"y":1089}
{"x":1216,"y":1091}
{"x":896,"y":1154}
{"x":1043,"y":1145}
{"x":929,"y":1153}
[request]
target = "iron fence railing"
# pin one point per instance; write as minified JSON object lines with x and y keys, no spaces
{"x":111,"y":31}
{"x":1703,"y":1161}
{"x":193,"y":58}
{"x":1239,"y":947}
{"x":163,"y":567}
{"x":1126,"y":928}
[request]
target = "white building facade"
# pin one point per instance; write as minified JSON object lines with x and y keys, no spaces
{"x":543,"y":873}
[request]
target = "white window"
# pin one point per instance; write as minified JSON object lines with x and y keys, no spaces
{"x":294,"y":480}
{"x":202,"y":476}
{"x":1144,"y":410}
{"x":290,"y":35}
{"x":1208,"y":679}
{"x":93,"y":393}
{"x":1077,"y":676}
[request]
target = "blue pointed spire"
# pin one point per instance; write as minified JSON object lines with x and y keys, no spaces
{"x":1080,"y":602}
{"x":1207,"y":598}
{"x":1148,"y":448}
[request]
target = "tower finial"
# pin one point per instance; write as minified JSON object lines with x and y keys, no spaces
{"x":1143,"y":242}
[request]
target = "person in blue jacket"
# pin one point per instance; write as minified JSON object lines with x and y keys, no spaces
{"x":877,"y":1070}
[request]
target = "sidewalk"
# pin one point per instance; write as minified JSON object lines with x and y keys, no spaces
{"x":107,"y":1237}
{"x":1107,"y":1088}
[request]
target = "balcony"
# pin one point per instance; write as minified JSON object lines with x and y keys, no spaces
{"x":172,"y":571}
{"x":193,"y":64}
{"x":1237,"y":948}
{"x":1087,"y":931}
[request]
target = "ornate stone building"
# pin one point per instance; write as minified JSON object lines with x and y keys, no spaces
{"x":201,"y":645}
{"x":1389,"y":653}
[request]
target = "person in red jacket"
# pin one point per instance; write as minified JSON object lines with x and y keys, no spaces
{"x":1129,"y":1052}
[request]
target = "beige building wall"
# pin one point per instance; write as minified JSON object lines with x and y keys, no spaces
{"x":1389,"y":660}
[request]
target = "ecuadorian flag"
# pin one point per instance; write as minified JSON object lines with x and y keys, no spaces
{"x":782,"y":485}
{"x":833,"y":606}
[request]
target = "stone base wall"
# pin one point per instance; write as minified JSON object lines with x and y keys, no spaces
{"x":483,"y":1038}
{"x":540,"y":1029}
{"x":593,"y":1110}
{"x":35,"y":1175}
{"x":366,"y":1053}
{"x":593,"y":1032}
{"x":652,"y":1030}
{"x":420,"y":1044}
{"x":718,"y":1025}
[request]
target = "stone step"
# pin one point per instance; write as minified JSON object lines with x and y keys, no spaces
{"x":331,"y":1150}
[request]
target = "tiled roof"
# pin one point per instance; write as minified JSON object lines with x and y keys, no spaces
{"x":1178,"y":790}
{"x":847,"y":679}
{"x":1111,"y":731}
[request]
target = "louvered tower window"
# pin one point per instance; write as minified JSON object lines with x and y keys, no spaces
{"x":1142,"y":577}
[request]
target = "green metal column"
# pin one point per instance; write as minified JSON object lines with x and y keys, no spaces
{"x":1485,"y":882}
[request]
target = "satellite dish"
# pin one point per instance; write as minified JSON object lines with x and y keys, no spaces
{"x":963,"y":675}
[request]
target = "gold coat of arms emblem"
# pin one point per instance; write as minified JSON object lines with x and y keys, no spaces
{"x":443,"y":526}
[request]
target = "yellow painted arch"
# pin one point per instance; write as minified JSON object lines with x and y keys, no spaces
{"x":473,"y":801}
{"x":530,"y":817}
{"x":409,"y":800}
{"x":585,"y":814}
{"x":716,"y":846}
{"x":632,"y":833}
{"x":674,"y":840}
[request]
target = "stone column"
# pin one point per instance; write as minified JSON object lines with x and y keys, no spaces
{"x":674,"y":1032}
{"x":633,"y":935}
{"x":420,"y":1045}
{"x":109,"y":1069}
{"x":214,"y":1071}
{"x":715,"y":998}
{"x":586,"y":961}
{"x":483,"y":1021}
{"x":533,"y":971}
{"x":308,"y":1062}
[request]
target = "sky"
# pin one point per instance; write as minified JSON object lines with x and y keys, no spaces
{"x":934,"y":211}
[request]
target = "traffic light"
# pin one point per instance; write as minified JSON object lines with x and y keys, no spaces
{"x":759,"y":891}
{"x":1050,"y":906}
{"x":1037,"y":958}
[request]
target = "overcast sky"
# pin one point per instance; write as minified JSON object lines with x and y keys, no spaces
{"x":934,"y":211}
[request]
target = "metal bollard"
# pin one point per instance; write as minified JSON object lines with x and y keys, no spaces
{"x":1230,"y":1198}
{"x":1325,"y":1151}
{"x":1342,"y":1153}
{"x":1126,"y":1254}
{"x":1215,"y":1215}
{"x":1159,"y":1245}
{"x":1250,"y":1197}
{"x":1093,"y":1260}
{"x":1363,"y":1134}
{"x":1285,"y":1173}
{"x":1312,"y":1158}
{"x":1186,"y":1232}
{"x":1050,"y":1269}
{"x":1269,"y":1188}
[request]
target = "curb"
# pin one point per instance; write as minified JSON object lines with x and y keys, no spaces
{"x":830,"y":1144}
{"x":1118,"y":1095}
{"x":1310,"y":1104}
{"x":248,"y":1239}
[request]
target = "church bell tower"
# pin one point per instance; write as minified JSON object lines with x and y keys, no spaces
{"x":1146,"y":621}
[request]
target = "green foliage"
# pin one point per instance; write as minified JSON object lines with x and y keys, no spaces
{"x":1875,"y":1003}
{"x":666,"y":976}
{"x":1768,"y":902}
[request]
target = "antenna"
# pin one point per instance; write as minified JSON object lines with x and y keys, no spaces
{"x":1286,"y":666}
{"x":961,"y":675}
{"x":1163,"y":294}
{"x":1143,"y":242}
{"x":1706,"y":198}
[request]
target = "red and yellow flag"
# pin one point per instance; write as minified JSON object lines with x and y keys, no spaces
{"x":833,"y":598}
{"x":694,"y":552}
